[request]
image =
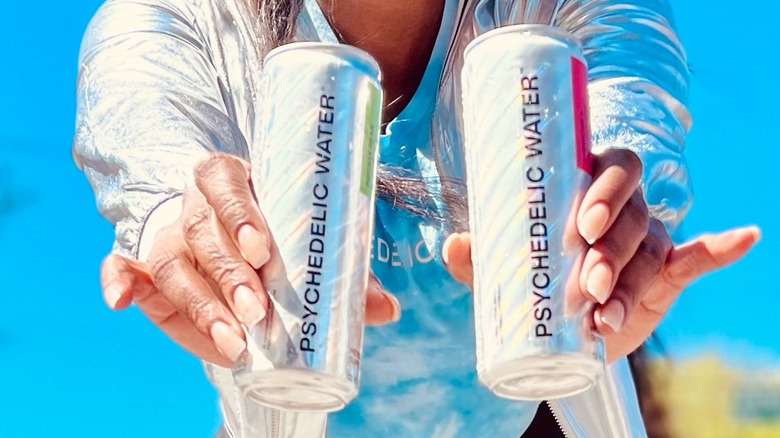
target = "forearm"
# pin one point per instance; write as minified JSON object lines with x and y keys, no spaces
{"x":638,"y":82}
{"x":638,"y":91}
{"x":148,"y":109}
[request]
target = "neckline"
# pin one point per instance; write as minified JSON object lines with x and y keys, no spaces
{"x":422,"y":101}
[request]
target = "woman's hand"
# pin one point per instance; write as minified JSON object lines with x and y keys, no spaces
{"x":205,"y":272}
{"x":631,"y":269}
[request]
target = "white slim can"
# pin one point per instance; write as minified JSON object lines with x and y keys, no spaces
{"x":527,"y":142}
{"x":313,"y":174}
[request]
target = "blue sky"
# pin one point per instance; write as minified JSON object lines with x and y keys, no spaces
{"x":733,"y":152}
{"x":71,"y":367}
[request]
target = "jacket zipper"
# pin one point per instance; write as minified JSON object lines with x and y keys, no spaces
{"x":275,"y":431}
{"x":561,"y":420}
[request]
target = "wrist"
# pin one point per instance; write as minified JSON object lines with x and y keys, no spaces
{"x":162,"y":215}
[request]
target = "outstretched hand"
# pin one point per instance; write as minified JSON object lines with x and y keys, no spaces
{"x":206,"y":271}
{"x":631,"y":270}
{"x":684,"y":264}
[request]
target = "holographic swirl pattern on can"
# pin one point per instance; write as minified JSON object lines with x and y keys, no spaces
{"x":315,"y":174}
{"x":527,"y":168}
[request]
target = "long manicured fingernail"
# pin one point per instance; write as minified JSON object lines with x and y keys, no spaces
{"x":445,"y":250}
{"x":228,"y":343}
{"x":613,"y":315}
{"x":253,"y":246}
{"x":396,"y":315}
{"x":600,"y":282}
{"x":250,"y":310}
{"x":593,"y":222}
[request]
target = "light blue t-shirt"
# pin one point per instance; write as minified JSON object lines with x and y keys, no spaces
{"x":419,"y":375}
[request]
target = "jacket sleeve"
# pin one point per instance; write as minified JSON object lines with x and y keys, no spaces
{"x":638,"y":83}
{"x":638,"y":88}
{"x":149,"y":107}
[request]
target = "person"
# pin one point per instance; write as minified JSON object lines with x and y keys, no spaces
{"x":168,"y":104}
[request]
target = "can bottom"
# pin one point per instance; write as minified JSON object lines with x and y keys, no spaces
{"x":297,"y":390}
{"x":543,"y":377}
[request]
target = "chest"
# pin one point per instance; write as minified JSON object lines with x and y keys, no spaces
{"x":400,"y":35}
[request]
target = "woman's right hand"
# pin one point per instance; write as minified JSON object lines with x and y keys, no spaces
{"x":205,"y":273}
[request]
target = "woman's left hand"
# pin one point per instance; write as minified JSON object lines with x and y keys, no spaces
{"x":631,"y":268}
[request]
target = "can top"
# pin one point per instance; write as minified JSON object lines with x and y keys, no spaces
{"x":363,"y":59}
{"x":530,"y":30}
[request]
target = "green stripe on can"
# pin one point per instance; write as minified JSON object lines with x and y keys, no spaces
{"x":371,"y":140}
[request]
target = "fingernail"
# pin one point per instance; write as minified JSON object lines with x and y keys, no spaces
{"x":445,"y":257}
{"x":600,"y":282}
{"x":112,"y":295}
{"x":228,"y":343}
{"x":253,"y":246}
{"x":592,"y":223}
{"x":396,"y":316}
{"x":250,"y":310}
{"x":613,"y":315}
{"x":755,"y":231}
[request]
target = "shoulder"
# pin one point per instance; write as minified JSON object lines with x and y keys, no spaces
{"x":151,"y":28}
{"x":121,"y":17}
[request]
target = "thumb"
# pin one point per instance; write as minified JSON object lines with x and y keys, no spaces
{"x":456,"y":254}
{"x":706,"y":253}
{"x":119,"y":277}
{"x":381,"y":306}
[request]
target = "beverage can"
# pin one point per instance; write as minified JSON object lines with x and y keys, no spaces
{"x":313,"y":174}
{"x":528,"y":164}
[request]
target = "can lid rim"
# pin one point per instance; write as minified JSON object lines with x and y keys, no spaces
{"x":358,"y":54}
{"x":534,"y":30}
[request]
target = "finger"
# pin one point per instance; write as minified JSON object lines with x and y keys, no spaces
{"x":135,"y":282}
{"x":224,"y":181}
{"x":616,"y":177}
{"x":118,"y":279}
{"x":456,"y":254}
{"x":220,"y":260}
{"x":684,"y":264}
{"x":635,"y":279}
{"x":162,"y":313}
{"x":698,"y":257}
{"x":610,"y":254}
{"x":381,"y":306}
{"x":177,"y":279}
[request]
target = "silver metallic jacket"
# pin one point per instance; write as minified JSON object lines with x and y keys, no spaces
{"x":163,"y":83}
